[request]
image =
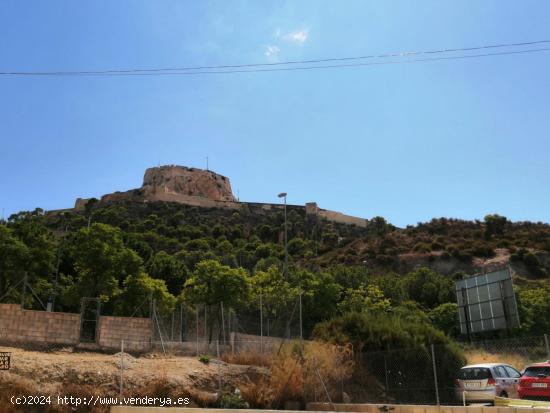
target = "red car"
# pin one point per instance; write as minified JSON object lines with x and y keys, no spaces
{"x":535,"y":382}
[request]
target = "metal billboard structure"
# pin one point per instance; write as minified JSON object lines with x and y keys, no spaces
{"x":487,"y":302}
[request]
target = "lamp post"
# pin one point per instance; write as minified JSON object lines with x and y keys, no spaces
{"x":283,"y":195}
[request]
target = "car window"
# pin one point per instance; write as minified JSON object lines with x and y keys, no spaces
{"x":512,"y":372}
{"x":474,"y":373}
{"x":500,"y":371}
{"x":534,"y":371}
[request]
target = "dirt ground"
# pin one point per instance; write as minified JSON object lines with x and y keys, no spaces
{"x":51,"y":371}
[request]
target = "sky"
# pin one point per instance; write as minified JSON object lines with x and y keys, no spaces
{"x":409,"y":142}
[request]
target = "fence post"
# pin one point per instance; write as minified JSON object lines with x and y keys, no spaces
{"x":121,"y":367}
{"x":261,"y":325}
{"x":197,"y":326}
{"x":435,"y":375}
{"x":547,"y":346}
{"x":24,"y":288}
{"x":386,"y":376}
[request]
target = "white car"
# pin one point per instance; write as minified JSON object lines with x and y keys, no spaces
{"x":480,"y":383}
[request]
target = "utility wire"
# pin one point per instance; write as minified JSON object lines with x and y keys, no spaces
{"x":200,"y":70}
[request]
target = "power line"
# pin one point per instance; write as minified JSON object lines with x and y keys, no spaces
{"x":268,"y":67}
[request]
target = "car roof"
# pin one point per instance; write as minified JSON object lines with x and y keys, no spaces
{"x":486,"y":365}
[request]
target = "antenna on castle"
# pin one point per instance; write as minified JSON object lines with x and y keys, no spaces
{"x":207,"y":163}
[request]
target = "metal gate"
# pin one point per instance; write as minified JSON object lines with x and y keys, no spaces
{"x":90,"y":310}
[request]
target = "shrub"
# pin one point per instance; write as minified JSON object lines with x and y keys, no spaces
{"x":422,"y":247}
{"x":294,"y":374}
{"x":232,"y":401}
{"x":377,"y":333}
{"x":204,"y":358}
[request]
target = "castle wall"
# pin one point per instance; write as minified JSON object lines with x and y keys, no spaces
{"x":342,"y":218}
{"x":206,"y":189}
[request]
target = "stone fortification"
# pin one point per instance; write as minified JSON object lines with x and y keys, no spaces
{"x":202,"y":188}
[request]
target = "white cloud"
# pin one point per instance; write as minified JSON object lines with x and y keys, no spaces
{"x":298,"y":36}
{"x":272,"y":51}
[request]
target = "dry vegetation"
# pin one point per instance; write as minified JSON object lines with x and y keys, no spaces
{"x":295,"y":373}
{"x":478,"y":356}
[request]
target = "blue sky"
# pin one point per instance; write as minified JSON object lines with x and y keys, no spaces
{"x":459,"y":138}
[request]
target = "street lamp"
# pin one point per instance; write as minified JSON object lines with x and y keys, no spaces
{"x":283,"y":195}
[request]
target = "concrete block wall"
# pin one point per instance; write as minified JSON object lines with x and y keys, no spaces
{"x":251,"y":343}
{"x":136,"y":333}
{"x":29,"y":326}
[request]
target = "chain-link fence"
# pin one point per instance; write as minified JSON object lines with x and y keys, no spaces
{"x":205,"y":329}
{"x":426,"y":374}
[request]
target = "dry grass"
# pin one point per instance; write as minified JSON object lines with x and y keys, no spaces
{"x":249,"y":358}
{"x":482,"y":356}
{"x":296,"y":371}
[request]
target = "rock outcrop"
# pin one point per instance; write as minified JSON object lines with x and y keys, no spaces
{"x":180,"y":180}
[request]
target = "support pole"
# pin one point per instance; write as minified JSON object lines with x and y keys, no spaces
{"x":121,"y":368}
{"x":197,"y":326}
{"x":435,"y":375}
{"x":261,"y":325}
{"x":24,"y":288}
{"x":386,"y":376}
{"x":223,"y":326}
{"x":301,"y":335}
{"x":172,"y":327}
{"x":182,"y":323}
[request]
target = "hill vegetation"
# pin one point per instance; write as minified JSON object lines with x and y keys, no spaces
{"x":124,"y":252}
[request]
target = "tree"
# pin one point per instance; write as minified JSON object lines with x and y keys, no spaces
{"x":138,"y":290}
{"x":445,"y":318}
{"x":212,"y":284}
{"x":495,"y":225}
{"x":378,"y":226}
{"x":166,"y":267}
{"x":102,"y":261}
{"x":533,"y":304}
{"x":14,"y":258}
{"x":364,"y":299}
{"x":428,"y":287}
{"x":320,"y":294}
{"x":30,"y":228}
{"x":276,"y":292}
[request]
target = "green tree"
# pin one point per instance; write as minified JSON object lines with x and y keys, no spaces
{"x":495,"y":225}
{"x":14,"y":258}
{"x":212,"y":284}
{"x":369,"y":299}
{"x":165,"y":267}
{"x":276,"y":292}
{"x":30,"y":228}
{"x":533,"y":305}
{"x":138,"y":290}
{"x":445,"y":318}
{"x":428,"y":288}
{"x":102,"y":261}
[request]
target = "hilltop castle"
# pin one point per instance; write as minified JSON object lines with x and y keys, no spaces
{"x":202,"y":188}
